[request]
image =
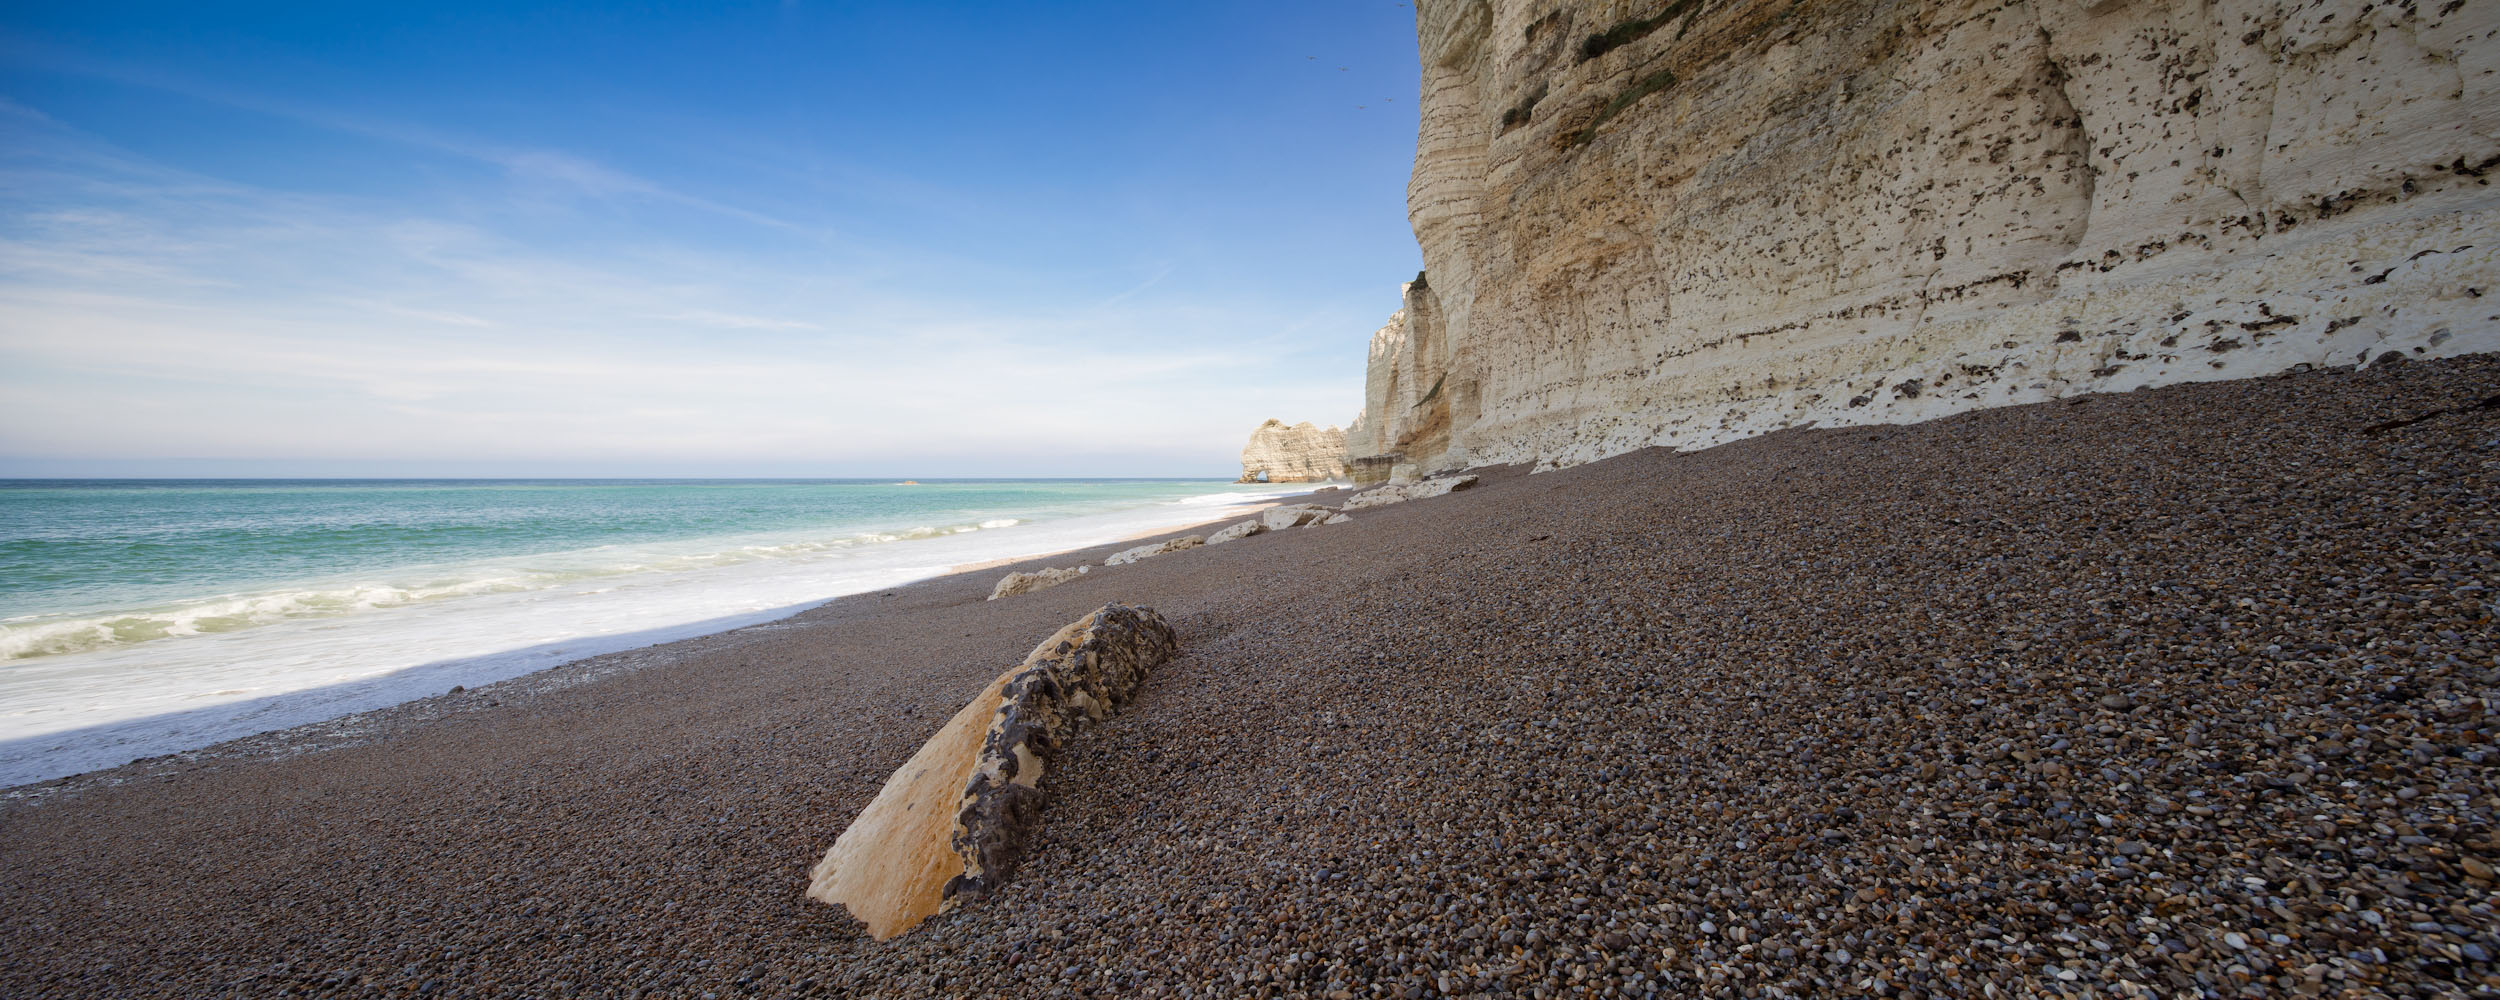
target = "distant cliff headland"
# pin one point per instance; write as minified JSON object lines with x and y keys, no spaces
{"x":1301,"y":453}
{"x":1682,"y":223}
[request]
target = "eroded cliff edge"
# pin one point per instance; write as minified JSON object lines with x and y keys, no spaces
{"x":1678,"y":223}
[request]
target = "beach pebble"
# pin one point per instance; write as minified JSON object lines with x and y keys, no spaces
{"x":2181,"y":693}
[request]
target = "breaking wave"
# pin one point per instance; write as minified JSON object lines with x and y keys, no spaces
{"x":31,"y":636}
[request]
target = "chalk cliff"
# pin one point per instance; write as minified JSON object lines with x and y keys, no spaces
{"x":1302,"y":453}
{"x":1677,"y":223}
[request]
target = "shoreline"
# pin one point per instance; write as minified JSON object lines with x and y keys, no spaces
{"x":1922,"y":709}
{"x":357,"y":726}
{"x":1124,"y":541}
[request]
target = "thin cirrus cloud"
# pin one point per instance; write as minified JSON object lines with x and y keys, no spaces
{"x":532,"y":165}
{"x":155,"y":320}
{"x":735,"y":321}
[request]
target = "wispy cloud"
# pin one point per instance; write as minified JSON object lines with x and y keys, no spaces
{"x":442,"y":316}
{"x":580,"y":174}
{"x":1160,"y":273}
{"x":735,"y":321}
{"x":147,"y":311}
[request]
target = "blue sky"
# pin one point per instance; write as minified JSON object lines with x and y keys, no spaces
{"x":779,"y":238}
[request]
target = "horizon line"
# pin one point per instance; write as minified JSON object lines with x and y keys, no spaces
{"x":482,"y":479}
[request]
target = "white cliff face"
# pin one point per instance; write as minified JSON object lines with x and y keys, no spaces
{"x":1302,"y":453}
{"x":1679,"y":223}
{"x":1403,"y":411}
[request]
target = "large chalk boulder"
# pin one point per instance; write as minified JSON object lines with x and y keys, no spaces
{"x":1238,"y":532}
{"x":1402,"y":493}
{"x":1153,"y":549}
{"x":954,"y":821}
{"x":1293,"y":515}
{"x":1040,"y":579}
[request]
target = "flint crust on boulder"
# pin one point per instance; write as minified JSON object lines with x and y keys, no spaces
{"x":1040,"y":579}
{"x":953,"y":822}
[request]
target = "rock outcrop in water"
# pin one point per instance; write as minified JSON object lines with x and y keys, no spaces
{"x":1301,"y":453}
{"x":1681,"y":222}
{"x":953,"y":822}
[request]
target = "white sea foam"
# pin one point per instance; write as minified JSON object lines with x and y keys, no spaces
{"x":53,"y":635}
{"x":98,"y":691}
{"x":1236,"y":498}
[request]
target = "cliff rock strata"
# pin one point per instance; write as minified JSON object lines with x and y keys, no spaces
{"x":1682,"y":222}
{"x":954,"y":821}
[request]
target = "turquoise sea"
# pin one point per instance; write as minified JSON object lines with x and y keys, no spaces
{"x":143,"y":616}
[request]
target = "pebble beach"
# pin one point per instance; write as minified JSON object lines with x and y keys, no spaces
{"x":2185,"y":692}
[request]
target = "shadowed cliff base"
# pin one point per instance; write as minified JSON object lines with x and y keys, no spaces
{"x":2180,"y":688}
